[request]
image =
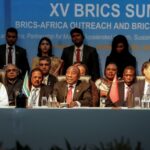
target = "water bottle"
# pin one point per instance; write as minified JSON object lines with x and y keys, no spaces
{"x":145,"y":101}
{"x":50,"y":101}
{"x":54,"y":103}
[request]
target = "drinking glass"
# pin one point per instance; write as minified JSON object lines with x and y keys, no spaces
{"x":137,"y":102}
{"x":102,"y":101}
{"x":44,"y":101}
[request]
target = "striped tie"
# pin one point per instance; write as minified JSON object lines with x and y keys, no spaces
{"x":34,"y":97}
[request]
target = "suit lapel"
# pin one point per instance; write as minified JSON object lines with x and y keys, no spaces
{"x":17,"y":54}
{"x":77,"y":91}
{"x":84,"y":54}
{"x":63,"y":91}
{"x":71,"y":54}
{"x":121,"y":93}
{"x":142,"y":88}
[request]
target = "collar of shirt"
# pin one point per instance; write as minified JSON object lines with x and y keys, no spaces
{"x":45,"y":80}
{"x":32,"y":88}
{"x":7,"y":47}
{"x":73,"y":86}
{"x":81,"y":47}
{"x":146,"y":86}
{"x":126,"y":87}
{"x":81,"y":53}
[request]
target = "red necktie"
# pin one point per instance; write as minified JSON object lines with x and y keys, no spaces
{"x":78,"y":55}
{"x":69,"y":95}
{"x":10,"y":55}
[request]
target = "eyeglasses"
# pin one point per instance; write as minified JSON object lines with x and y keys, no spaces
{"x":13,"y":70}
{"x":43,"y":64}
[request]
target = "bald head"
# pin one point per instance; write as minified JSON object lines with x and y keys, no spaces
{"x":72,"y":75}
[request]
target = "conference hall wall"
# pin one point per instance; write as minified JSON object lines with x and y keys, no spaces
{"x":100,"y":20}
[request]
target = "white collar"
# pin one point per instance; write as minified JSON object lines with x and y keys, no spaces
{"x":73,"y":86}
{"x":32,"y":88}
{"x":81,"y":47}
{"x":7,"y":46}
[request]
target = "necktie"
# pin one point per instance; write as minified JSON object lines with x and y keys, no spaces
{"x":69,"y":95}
{"x":10,"y":55}
{"x":129,"y":98}
{"x":34,"y":97}
{"x":78,"y":55}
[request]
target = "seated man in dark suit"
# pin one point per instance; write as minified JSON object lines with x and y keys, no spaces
{"x":126,"y":87}
{"x":84,"y":72}
{"x":10,"y":53}
{"x":45,"y":65}
{"x":37,"y":89}
{"x":79,"y":52}
{"x":73,"y":91}
{"x":12,"y":82}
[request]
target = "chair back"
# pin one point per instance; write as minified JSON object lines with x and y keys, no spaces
{"x":140,"y":77}
{"x":82,"y":78}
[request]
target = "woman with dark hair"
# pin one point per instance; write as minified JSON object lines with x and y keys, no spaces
{"x":45,"y":49}
{"x":103,"y":84}
{"x":120,"y":54}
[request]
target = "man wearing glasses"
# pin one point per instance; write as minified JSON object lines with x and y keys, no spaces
{"x":12,"y":82}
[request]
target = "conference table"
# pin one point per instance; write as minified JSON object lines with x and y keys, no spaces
{"x":43,"y":128}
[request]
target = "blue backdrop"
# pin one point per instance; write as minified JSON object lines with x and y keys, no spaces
{"x":100,"y":21}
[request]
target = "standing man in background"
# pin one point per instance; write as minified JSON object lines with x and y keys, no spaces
{"x":10,"y":53}
{"x":79,"y":52}
{"x":45,"y":65}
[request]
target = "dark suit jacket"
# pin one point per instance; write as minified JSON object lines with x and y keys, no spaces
{"x":51,"y":81}
{"x":21,"y":58}
{"x":90,"y":59}
{"x":44,"y":91}
{"x":138,"y":88}
{"x":121,"y":90}
{"x":82,"y":92}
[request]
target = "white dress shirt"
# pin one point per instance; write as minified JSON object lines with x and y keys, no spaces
{"x":31,"y":95}
{"x":146,"y":87}
{"x":125,"y":91}
{"x":3,"y":96}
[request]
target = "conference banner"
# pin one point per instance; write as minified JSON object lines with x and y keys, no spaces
{"x":99,"y":19}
